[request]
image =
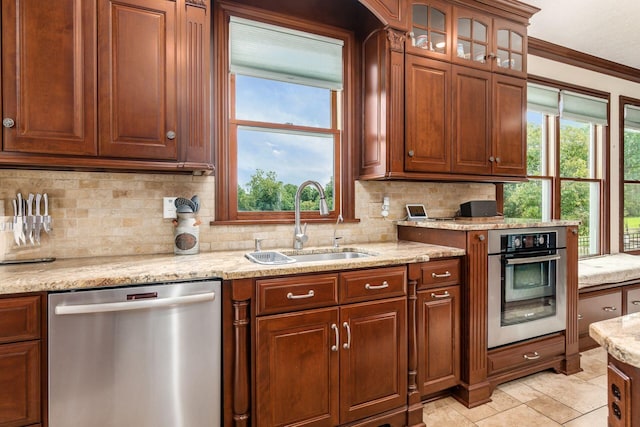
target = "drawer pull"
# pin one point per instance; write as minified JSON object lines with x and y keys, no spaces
{"x":609,"y":308}
{"x":384,"y":285}
{"x":580,"y":317}
{"x":335,"y":329}
{"x":636,"y":302}
{"x":347,"y":345}
{"x":534,"y":357}
{"x":441,"y":276}
{"x":309,"y":294}
{"x":444,"y":295}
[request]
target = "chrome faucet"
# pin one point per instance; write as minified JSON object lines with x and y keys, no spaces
{"x":299,"y":235}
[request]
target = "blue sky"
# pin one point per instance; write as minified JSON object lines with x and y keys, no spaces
{"x":295,"y":158}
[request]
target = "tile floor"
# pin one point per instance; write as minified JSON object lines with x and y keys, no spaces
{"x":542,"y":399}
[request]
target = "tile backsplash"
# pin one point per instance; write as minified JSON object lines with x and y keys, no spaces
{"x":106,"y":213}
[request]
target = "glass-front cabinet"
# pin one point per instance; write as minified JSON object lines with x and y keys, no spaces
{"x":431,"y":29}
{"x":510,"y":43}
{"x":489,"y":43}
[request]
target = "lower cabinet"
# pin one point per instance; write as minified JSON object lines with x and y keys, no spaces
{"x":337,"y":364}
{"x":632,"y":298}
{"x":438,"y":326}
{"x":594,"y":307}
{"x":20,"y":358}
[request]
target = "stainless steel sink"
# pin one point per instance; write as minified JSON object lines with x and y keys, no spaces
{"x":329,"y":256}
{"x":275,"y":257}
{"x":269,"y":258}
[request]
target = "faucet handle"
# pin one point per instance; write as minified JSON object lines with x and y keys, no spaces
{"x":257,"y":242}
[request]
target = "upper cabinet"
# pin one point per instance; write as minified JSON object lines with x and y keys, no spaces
{"x":492,"y":44}
{"x":431,"y":29}
{"x":457,"y":84}
{"x":106,"y":84}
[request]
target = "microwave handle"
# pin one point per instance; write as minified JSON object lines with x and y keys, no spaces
{"x":514,"y":261}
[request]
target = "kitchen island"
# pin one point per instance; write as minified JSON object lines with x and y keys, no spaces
{"x":621,"y":338}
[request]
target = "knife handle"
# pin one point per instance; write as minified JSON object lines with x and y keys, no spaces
{"x":38,"y":199}
{"x":19,"y":204}
{"x":46,"y":204}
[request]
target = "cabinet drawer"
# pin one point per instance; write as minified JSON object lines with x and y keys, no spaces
{"x":296,"y":293}
{"x":19,"y":319}
{"x":598,"y":307}
{"x":366,"y":285}
{"x":633,"y":300}
{"x":439,"y":273}
{"x":522,"y":355}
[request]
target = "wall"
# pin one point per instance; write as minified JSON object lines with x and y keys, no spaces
{"x":103,"y":213}
{"x":543,"y":67}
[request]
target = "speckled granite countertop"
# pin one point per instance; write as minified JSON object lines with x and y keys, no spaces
{"x":486,"y":223}
{"x":620,"y":337}
{"x":113,"y":271}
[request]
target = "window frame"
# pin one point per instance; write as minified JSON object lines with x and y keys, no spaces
{"x":226,"y":210}
{"x":624,"y":100}
{"x":553,"y":172}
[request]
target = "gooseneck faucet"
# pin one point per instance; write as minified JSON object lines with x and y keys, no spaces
{"x":299,"y":235}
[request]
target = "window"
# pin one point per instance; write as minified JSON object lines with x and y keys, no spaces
{"x":286,"y":99}
{"x":630,"y":174}
{"x":566,"y":158}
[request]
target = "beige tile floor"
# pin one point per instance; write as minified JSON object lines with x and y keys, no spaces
{"x":542,"y":399}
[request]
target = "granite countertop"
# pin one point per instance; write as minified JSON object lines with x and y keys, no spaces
{"x":620,"y":337}
{"x":472,"y":224}
{"x":608,"y":269}
{"x":81,"y":273}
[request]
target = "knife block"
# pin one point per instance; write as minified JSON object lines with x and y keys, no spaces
{"x":9,"y":251}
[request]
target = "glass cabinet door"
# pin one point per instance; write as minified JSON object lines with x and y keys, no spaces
{"x":473,"y":37}
{"x":510,"y":48}
{"x":431,"y":29}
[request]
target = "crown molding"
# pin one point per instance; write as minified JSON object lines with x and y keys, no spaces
{"x":565,"y":55}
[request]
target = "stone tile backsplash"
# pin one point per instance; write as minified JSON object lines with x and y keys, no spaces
{"x":107,"y":213}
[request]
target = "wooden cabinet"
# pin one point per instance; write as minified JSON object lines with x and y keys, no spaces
{"x":125,"y":84}
{"x":20,"y":361}
{"x":623,"y":395}
{"x":332,"y":365}
{"x":632,"y":299}
{"x":596,"y":306}
{"x":438,"y":325}
{"x":48,"y":83}
{"x":489,"y":123}
{"x":481,"y":369}
{"x":137,"y":77}
{"x":464,"y":93}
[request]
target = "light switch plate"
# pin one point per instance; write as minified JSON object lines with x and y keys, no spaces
{"x":169,"y":207}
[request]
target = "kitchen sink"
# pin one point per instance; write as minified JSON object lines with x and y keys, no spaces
{"x":329,"y":256}
{"x":269,"y":258}
{"x":275,"y":257}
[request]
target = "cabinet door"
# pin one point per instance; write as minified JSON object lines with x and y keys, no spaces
{"x":438,"y":326}
{"x":137,"y":78}
{"x":509,"y":126}
{"x":297,"y":368}
{"x":632,"y":296}
{"x":430,"y":29}
{"x":472,"y":38}
{"x":20,"y":383}
{"x":510,"y":48}
{"x":471,"y":121}
{"x":373,"y":358}
{"x":48,"y":76}
{"x":427,"y":115}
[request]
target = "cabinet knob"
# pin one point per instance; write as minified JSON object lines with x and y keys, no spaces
{"x":492,"y":159}
{"x":8,"y":122}
{"x":574,"y":230}
{"x":481,"y":237}
{"x":171,"y":135}
{"x":410,"y":153}
{"x":497,"y":159}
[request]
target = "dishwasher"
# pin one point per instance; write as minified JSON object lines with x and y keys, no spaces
{"x":144,"y":356}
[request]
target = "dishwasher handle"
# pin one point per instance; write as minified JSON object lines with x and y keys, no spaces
{"x":140,"y":304}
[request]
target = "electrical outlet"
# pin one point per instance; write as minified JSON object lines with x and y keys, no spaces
{"x":169,"y":207}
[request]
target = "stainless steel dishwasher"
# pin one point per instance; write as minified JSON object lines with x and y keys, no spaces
{"x":136,"y":356}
